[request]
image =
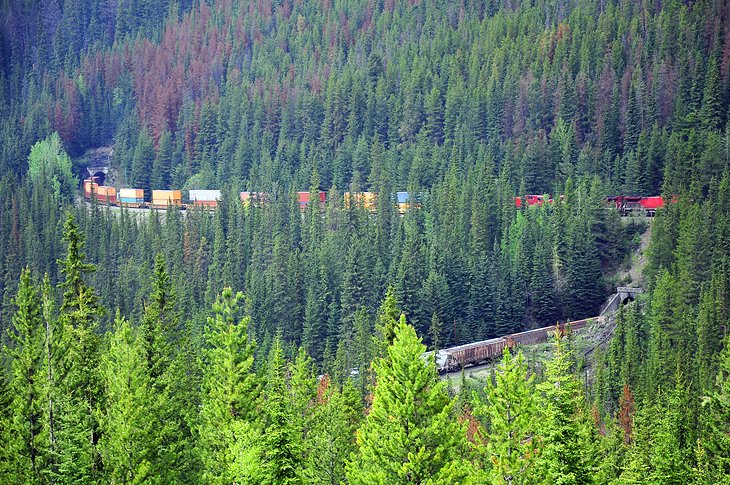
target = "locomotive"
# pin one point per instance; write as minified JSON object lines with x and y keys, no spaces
{"x":626,"y":205}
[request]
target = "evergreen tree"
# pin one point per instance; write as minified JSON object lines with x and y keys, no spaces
{"x":512,"y":442}
{"x":409,"y":436}
{"x":563,"y":457}
{"x":230,"y":388}
{"x":716,"y":440}
{"x":81,"y":388}
{"x":26,"y":444}
{"x":332,"y":438}
{"x":282,"y":443}
{"x":126,"y":446}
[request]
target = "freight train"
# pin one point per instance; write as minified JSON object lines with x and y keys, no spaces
{"x":209,"y":199}
{"x":626,"y":205}
{"x":403,"y":201}
{"x":456,"y":358}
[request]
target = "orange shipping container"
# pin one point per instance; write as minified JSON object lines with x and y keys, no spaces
{"x":163,"y":198}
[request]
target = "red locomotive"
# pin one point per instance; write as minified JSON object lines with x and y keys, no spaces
{"x":625,"y":204}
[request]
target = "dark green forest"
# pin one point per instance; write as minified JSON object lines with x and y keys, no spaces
{"x":264,"y":344}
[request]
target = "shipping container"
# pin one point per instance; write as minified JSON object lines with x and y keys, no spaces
{"x":257,"y":198}
{"x":303,"y":199}
{"x":406,"y":201}
{"x":365,"y":199}
{"x":204,"y":198}
{"x":163,"y":198}
{"x":104,"y":194}
{"x":131,"y":197}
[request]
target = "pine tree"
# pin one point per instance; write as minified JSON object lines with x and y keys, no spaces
{"x":410,"y":435}
{"x":81,"y":389}
{"x":7,"y":456}
{"x":162,"y":165}
{"x":230,"y":388}
{"x":332,"y":438}
{"x":563,"y":458}
{"x":512,"y":441}
{"x":282,"y":443}
{"x":142,"y":162}
{"x":25,"y":430}
{"x":716,"y":439}
{"x":386,"y":322}
{"x":127,"y":446}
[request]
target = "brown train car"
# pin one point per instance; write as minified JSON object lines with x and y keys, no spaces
{"x":455,"y":358}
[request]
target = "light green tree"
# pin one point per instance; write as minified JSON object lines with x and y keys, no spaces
{"x":410,"y":434}
{"x":564,"y":447}
{"x":512,"y":442}
{"x":26,"y":443}
{"x":127,"y":446}
{"x":229,"y":389}
{"x":50,"y":166}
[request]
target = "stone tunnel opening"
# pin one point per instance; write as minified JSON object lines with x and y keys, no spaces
{"x":100,"y":177}
{"x":627,"y":299}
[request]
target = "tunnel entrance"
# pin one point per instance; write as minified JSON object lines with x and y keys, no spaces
{"x":100,"y":177}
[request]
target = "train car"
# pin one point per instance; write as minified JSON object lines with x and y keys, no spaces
{"x":131,"y":197}
{"x":89,"y":188}
{"x":256,"y":198}
{"x":366,"y":200}
{"x":651,"y":204}
{"x":531,"y":200}
{"x":204,"y":198}
{"x":100,"y":193}
{"x":162,"y":199}
{"x":455,"y":358}
{"x":303,"y":200}
{"x":106,"y":195}
{"x":406,"y":201}
{"x":625,"y":204}
{"x":628,"y":205}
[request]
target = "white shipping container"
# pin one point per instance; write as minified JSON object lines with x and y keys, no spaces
{"x":131,"y":193}
{"x":204,"y":195}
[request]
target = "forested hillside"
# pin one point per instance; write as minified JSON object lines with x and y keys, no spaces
{"x":131,"y":356}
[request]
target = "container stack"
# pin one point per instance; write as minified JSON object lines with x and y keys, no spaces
{"x":161,"y":199}
{"x":131,"y":197}
{"x":205,"y":198}
{"x":303,"y":199}
{"x":365,"y":199}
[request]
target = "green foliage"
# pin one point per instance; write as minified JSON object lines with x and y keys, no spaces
{"x":50,"y":168}
{"x":229,"y":387}
{"x":565,"y":439}
{"x":127,"y":444}
{"x":409,"y":436}
{"x":26,"y":442}
{"x":512,"y":443}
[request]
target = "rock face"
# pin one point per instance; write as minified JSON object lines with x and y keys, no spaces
{"x":98,"y":161}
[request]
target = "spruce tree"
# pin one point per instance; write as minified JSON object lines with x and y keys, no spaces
{"x":716,"y":439}
{"x":563,"y":456}
{"x":26,"y":443}
{"x":283,"y":453}
{"x":81,"y":389}
{"x":512,"y":440}
{"x":127,"y":445}
{"x":229,"y":388}
{"x":410,"y":434}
